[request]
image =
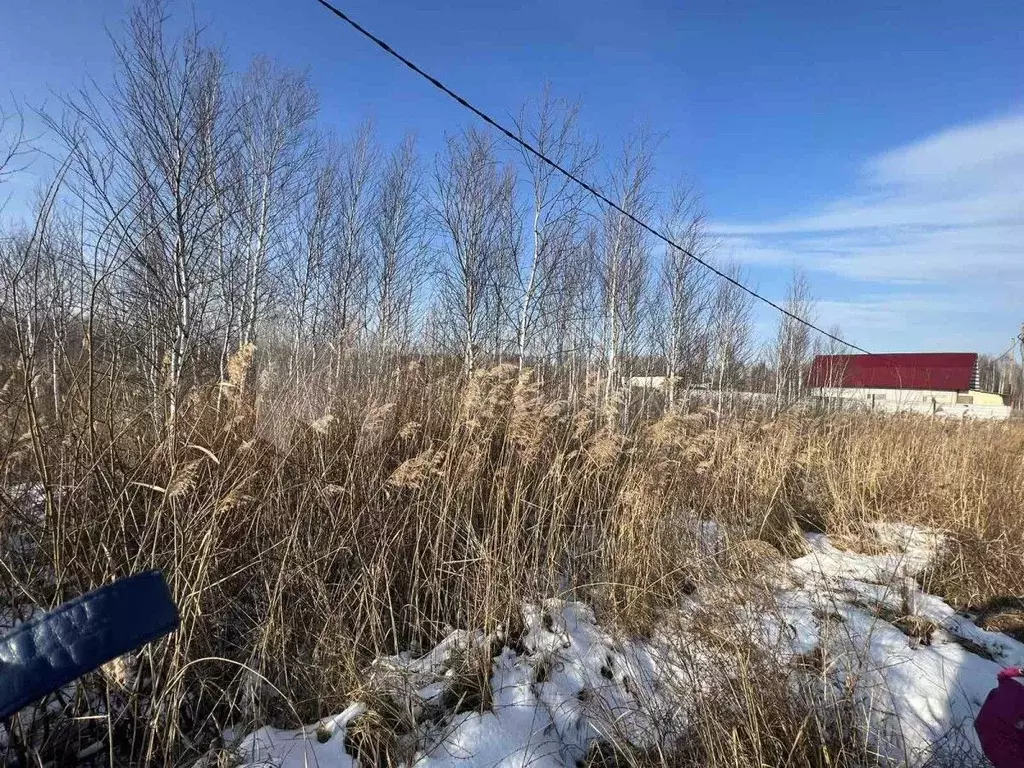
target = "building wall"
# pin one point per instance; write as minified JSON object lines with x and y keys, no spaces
{"x":890,"y":396}
{"x":986,"y":398}
{"x":982,"y":405}
{"x":948,"y":372}
{"x":648,"y":382}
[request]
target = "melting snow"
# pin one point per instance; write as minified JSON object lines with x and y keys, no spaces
{"x":921,"y":691}
{"x":918,"y":670}
{"x":271,"y":747}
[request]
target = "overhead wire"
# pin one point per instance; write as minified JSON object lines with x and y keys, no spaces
{"x":573,"y":177}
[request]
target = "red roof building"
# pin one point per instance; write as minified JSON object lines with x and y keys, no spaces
{"x":949,"y":371}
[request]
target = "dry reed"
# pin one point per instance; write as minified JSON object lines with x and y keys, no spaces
{"x":299,"y":547}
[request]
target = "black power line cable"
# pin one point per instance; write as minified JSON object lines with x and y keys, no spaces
{"x":568,"y":174}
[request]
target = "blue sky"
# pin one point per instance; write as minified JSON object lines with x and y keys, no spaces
{"x":880,"y":148}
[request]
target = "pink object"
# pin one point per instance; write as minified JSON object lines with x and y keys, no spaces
{"x":1009,"y":673}
{"x":1000,"y":724}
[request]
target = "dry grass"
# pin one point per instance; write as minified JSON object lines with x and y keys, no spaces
{"x":303,"y":535}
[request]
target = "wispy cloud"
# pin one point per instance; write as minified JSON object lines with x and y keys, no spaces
{"x":943,"y":322}
{"x":937,"y":224}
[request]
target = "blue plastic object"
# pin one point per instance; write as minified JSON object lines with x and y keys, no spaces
{"x":48,"y":652}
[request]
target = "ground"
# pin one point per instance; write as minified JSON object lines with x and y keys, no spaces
{"x":838,"y":621}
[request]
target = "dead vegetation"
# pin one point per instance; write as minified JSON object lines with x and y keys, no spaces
{"x":276,"y":366}
{"x":299,"y":550}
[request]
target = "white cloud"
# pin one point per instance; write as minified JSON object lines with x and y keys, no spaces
{"x":942,"y":219}
{"x":983,"y":152}
{"x":907,"y":322}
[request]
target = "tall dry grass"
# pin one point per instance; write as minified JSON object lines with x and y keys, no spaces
{"x":304,"y":534}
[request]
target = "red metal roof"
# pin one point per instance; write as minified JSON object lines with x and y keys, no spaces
{"x":923,"y":370}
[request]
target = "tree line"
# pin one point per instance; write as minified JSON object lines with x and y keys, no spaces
{"x":194,"y":212}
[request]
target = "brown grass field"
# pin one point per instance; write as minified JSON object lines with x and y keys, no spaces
{"x":259,"y":355}
{"x":302,"y":537}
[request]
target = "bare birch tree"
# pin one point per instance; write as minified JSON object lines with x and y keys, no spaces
{"x":624,"y":256}
{"x":307,"y":278}
{"x":274,"y":110}
{"x":792,"y":347}
{"x":679,"y":312}
{"x":557,"y":206}
{"x":156,"y":186}
{"x":349,"y":262}
{"x":472,"y":197}
{"x":730,"y":330}
{"x":501,"y":294}
{"x":399,"y":245}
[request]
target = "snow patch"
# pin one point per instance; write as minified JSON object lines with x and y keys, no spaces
{"x":916,"y":669}
{"x":321,"y":744}
{"x":920,"y":670}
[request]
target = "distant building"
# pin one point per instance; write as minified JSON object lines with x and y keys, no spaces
{"x":648,"y":382}
{"x":940,"y":383}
